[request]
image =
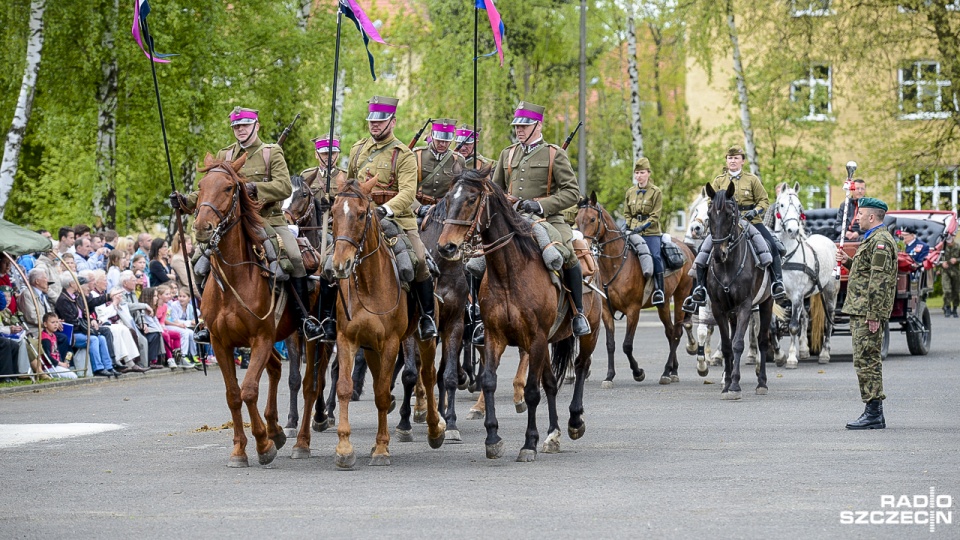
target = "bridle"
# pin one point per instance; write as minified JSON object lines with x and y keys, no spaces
{"x":473,"y":245}
{"x":304,"y":192}
{"x":227,"y":221}
{"x":794,"y":210}
{"x":730,"y":241}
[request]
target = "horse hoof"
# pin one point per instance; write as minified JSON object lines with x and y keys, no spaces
{"x":420,"y":417}
{"x":472,"y":387}
{"x":379,"y":460}
{"x":279,"y":440}
{"x":462,"y":386}
{"x":347,"y":461}
{"x":438,"y":442}
{"x":521,"y":407}
{"x":750,"y":361}
{"x":393,"y":404}
{"x":290,"y":431}
{"x":665,"y":380}
{"x":474,"y":415}
{"x":639,"y":376}
{"x":238,"y":462}
{"x":792,"y":365}
{"x":606,"y":385}
{"x":569,"y":380}
{"x":453,"y":436}
{"x":576,"y":433}
{"x":527,"y":456}
{"x":823,"y":360}
{"x":692,"y":350}
{"x":495,"y":451}
{"x":300,"y":453}
{"x":703,"y":373}
{"x":674,"y":378}
{"x":318,"y":426}
{"x":267,"y":457}
{"x":552,"y":444}
{"x":403,"y":435}
{"x":761,"y":390}
{"x":780,"y":362}
{"x":730,"y":396}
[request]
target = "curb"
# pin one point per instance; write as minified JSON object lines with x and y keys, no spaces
{"x":57,"y":385}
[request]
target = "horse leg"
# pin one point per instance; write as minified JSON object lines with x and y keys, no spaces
{"x":238,"y":457}
{"x":479,"y":408}
{"x":539,"y":371}
{"x":332,"y":398}
{"x":804,"y":349}
{"x":408,"y":378}
{"x":420,"y":405}
{"x":359,"y":375}
{"x":261,"y":349}
{"x":447,"y":392}
{"x":726,"y":349}
{"x":766,"y":309}
{"x":294,"y":381}
{"x":672,"y":332}
{"x":271,"y":412}
{"x":488,"y":382}
{"x":345,"y":457}
{"x":436,"y":427}
{"x":796,"y":307}
{"x":692,"y":345}
{"x":576,"y":427}
{"x":633,"y":317}
{"x":301,"y":450}
{"x":750,"y":342}
{"x":737,"y":348}
{"x":520,"y":382}
{"x":609,"y":332}
{"x":703,"y":345}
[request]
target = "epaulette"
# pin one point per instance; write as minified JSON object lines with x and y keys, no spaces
{"x":361,"y":142}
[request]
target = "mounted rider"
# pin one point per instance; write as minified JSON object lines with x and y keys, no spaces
{"x":752,"y":200}
{"x":268,"y":182}
{"x":327,"y":152}
{"x":384,"y":156}
{"x":539,"y":177}
{"x":467,"y":139}
{"x":437,"y":165}
{"x":642,"y":205}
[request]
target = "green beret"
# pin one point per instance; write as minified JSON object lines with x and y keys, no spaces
{"x":870,"y":202}
{"x":642,"y":164}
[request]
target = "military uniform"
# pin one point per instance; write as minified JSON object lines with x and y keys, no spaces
{"x":642,"y":207}
{"x":750,"y":193}
{"x":466,"y":135}
{"x":950,"y":278}
{"x":433,"y":182}
{"x":316,"y":179}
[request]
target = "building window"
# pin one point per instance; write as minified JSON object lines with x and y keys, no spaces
{"x":951,"y":6}
{"x":814,"y":93}
{"x":928,"y":189}
{"x":923,"y":91}
{"x":814,"y":196}
{"x":810,"y":8}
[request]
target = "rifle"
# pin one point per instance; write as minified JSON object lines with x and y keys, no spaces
{"x":847,"y":186}
{"x":570,"y":137}
{"x":286,"y":131}
{"x":416,"y":138}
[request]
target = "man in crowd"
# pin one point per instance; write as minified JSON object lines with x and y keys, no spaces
{"x":84,"y":255}
{"x":871,"y":286}
{"x":143,"y":246}
{"x":65,"y":240}
{"x":851,"y":229}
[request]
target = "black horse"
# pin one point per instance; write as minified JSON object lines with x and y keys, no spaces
{"x":735,"y":283}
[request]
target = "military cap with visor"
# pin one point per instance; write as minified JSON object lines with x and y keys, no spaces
{"x":527,"y":113}
{"x":465,"y":134}
{"x":324,"y":144}
{"x":381,"y":108}
{"x":444,"y":129}
{"x":870,"y":202}
{"x":240,"y":116}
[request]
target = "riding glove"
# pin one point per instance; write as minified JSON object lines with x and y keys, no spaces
{"x":751,"y":214}
{"x":423,"y":210}
{"x":177,"y":201}
{"x":251,"y":188}
{"x":383,"y":211}
{"x":530,"y":207}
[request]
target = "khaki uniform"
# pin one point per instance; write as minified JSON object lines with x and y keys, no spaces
{"x":950,"y":276}
{"x":750,"y":193}
{"x":529,"y":179}
{"x":481,"y":162}
{"x":642,"y":206}
{"x":436,"y":185}
{"x":316,"y":179}
{"x":871,"y":287}
{"x":399,"y":184}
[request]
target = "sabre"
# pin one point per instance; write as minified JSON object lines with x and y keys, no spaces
{"x":847,"y":186}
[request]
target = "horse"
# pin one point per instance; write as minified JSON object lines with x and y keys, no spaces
{"x":373,"y":312}
{"x":240,"y":308}
{"x":807,"y":274}
{"x":625,"y":286}
{"x":735,"y":283}
{"x":519,"y":306}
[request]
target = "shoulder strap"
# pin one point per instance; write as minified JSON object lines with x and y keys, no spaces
{"x":553,"y":154}
{"x":419,"y":153}
{"x":266,"y":159}
{"x":229,"y":155}
{"x":510,"y":168}
{"x":356,"y":158}
{"x":393,"y":167}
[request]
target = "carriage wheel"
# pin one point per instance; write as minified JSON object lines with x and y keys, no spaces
{"x":885,"y":344}
{"x":919,"y":342}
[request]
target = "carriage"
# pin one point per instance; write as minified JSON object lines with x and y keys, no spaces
{"x":910,"y":314}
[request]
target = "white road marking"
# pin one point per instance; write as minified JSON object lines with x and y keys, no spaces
{"x":19,"y":434}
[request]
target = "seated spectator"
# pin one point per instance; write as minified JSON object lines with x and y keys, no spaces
{"x":180,"y":264}
{"x":52,"y":362}
{"x":139,"y":268}
{"x":125,"y":348}
{"x":6,"y":284}
{"x":156,"y":298}
{"x":84,"y":255}
{"x":9,"y":350}
{"x":49,"y":264}
{"x":65,"y":240}
{"x":33,"y":304}
{"x":67,"y":263}
{"x":133,"y":314}
{"x":117,"y":262}
{"x":110,"y":238}
{"x":917,"y":248}
{"x":181,"y":319}
{"x":160,"y":270}
{"x":70,"y":310}
{"x":125,"y":243}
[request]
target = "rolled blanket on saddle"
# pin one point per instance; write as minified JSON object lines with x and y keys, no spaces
{"x":761,"y":251}
{"x":640,"y":248}
{"x":550,"y":250}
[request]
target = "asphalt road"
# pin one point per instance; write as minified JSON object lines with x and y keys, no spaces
{"x":659,"y":461}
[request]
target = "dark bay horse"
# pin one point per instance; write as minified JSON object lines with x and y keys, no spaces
{"x":735,"y":283}
{"x":373,"y":312}
{"x":518,"y":304}
{"x":239,"y":306}
{"x":623,"y":282}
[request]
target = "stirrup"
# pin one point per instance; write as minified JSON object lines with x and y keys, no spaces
{"x":699,"y":295}
{"x":202,"y":336}
{"x":773,"y":289}
{"x":689,"y":305}
{"x":427,"y":329}
{"x":580,"y":324}
{"x":478,"y":334}
{"x":329,"y":327}
{"x":311,"y":328}
{"x":657,"y":297}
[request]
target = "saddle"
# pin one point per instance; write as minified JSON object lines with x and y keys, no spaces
{"x":639,"y":247}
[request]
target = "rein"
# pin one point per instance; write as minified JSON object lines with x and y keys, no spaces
{"x":473,"y":245}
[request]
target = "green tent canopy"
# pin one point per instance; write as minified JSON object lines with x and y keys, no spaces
{"x":16,"y":240}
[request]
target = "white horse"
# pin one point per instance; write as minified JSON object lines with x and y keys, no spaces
{"x":807,"y":274}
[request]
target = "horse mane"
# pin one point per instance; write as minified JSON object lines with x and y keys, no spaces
{"x":498,"y":205}
{"x":250,"y":220}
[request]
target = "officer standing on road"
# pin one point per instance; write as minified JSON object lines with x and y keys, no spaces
{"x":642,"y":206}
{"x":871,"y":286}
{"x":950,"y":276}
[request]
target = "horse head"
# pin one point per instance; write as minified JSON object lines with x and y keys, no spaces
{"x":223,"y":202}
{"x":352,"y":214}
{"x":790,"y":216}
{"x":465,"y":203}
{"x":724,"y":219}
{"x":699,"y":220}
{"x":590,"y":219}
{"x":300,"y":205}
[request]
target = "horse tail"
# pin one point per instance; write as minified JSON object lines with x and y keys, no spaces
{"x":779,"y":312}
{"x":818,"y":321}
{"x":563,"y":351}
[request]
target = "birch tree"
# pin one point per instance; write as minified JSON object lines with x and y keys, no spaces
{"x":104,"y":189}
{"x":742,"y":94}
{"x":635,"y":123}
{"x":18,"y":128}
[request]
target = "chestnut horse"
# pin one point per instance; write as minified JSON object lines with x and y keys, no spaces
{"x":373,"y":312}
{"x":239,"y":306}
{"x":518,"y":304}
{"x":624,"y":284}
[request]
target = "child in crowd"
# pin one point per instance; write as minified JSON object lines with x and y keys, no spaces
{"x":156,"y":298}
{"x":117,"y":262}
{"x":180,"y":319}
{"x":52,"y":363}
{"x":139,"y":267}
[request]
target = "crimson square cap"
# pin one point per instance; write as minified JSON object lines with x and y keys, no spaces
{"x":381,"y":108}
{"x":241,"y":115}
{"x":527,"y":113}
{"x":444,"y":129}
{"x":465,"y":134}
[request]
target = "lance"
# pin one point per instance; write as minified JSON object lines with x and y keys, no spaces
{"x":416,"y":137}
{"x":847,"y":186}
{"x":333,"y":119}
{"x":476,"y":54}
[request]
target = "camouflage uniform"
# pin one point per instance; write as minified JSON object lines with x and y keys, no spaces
{"x":871,"y":286}
{"x":950,"y":276}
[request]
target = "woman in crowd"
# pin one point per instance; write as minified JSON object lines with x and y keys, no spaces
{"x":160,"y":269}
{"x":180,"y":319}
{"x":117,"y":262}
{"x":139,"y":268}
{"x":180,"y":263}
{"x":69,"y":309}
{"x":125,"y":244}
{"x":156,"y":298}
{"x":125,"y":348}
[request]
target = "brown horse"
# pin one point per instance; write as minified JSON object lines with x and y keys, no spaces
{"x":239,"y":306}
{"x":519,"y":305}
{"x":624,"y":284}
{"x":373,"y":312}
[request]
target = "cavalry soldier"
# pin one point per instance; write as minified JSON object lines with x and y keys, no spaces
{"x":393,"y":163}
{"x":267,"y":181}
{"x":540,"y":176}
{"x":642,"y":206}
{"x":752,"y":200}
{"x":437,"y":165}
{"x":871,"y":286}
{"x":467,"y":139}
{"x":950,"y":276}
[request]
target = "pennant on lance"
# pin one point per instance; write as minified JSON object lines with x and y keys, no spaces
{"x":141,"y":32}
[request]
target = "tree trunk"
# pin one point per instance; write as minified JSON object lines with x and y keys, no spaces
{"x":636,"y":124}
{"x":750,"y":147}
{"x":657,"y":34}
{"x":948,"y":45}
{"x":21,"y":116}
{"x":104,"y":189}
{"x":303,"y":13}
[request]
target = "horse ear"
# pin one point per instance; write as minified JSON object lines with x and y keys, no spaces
{"x":367,"y":185}
{"x":208,"y":161}
{"x":731,"y":190}
{"x":593,"y":198}
{"x":237,"y":164}
{"x":796,"y":187}
{"x":341,"y":182}
{"x":709,"y":191}
{"x":457,"y":168}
